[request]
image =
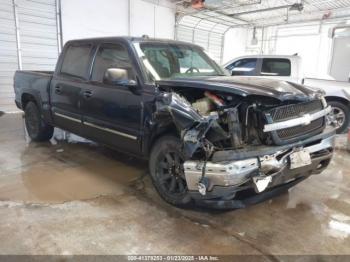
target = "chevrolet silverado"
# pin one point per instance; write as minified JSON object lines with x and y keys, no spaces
{"x":211,"y":139}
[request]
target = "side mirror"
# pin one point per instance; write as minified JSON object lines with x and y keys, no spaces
{"x":118,"y":76}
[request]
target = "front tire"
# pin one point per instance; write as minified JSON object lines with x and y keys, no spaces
{"x":339,"y":116}
{"x":167,"y":172}
{"x":37,"y":129}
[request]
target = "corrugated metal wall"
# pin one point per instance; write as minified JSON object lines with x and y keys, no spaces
{"x":34,"y":24}
{"x":212,"y":42}
{"x":206,"y":34}
{"x":8,"y":53}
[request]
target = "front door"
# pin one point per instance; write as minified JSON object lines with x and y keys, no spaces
{"x":112,"y":112}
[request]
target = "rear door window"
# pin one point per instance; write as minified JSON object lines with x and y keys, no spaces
{"x":276,"y":67}
{"x":76,"y":60}
{"x":244,"y":67}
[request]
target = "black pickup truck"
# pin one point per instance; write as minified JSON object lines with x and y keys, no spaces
{"x":211,"y":139}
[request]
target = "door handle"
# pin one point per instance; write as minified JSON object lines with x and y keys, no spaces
{"x":58,"y":90}
{"x":87,"y":94}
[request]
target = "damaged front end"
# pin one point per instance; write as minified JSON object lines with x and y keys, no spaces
{"x":198,"y":125}
{"x":234,"y":144}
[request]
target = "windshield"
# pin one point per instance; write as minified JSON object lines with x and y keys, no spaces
{"x":169,"y":61}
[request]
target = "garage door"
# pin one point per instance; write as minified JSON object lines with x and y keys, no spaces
{"x":340,"y":65}
{"x":206,"y":34}
{"x":211,"y":42}
{"x":8,"y":53}
{"x":34,"y":25}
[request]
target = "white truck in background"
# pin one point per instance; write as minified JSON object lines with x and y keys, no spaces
{"x":289,"y":68}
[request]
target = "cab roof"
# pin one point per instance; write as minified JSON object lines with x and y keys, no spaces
{"x":129,"y":39}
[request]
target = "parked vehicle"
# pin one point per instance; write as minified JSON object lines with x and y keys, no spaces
{"x":289,"y":68}
{"x":210,"y":139}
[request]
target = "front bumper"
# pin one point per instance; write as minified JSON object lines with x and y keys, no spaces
{"x":231,"y":192}
{"x":254,"y":151}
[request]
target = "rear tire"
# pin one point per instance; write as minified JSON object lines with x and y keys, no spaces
{"x":37,"y":129}
{"x":167,"y":172}
{"x":339,"y":116}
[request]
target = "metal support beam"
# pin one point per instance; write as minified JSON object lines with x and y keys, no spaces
{"x":18,"y":37}
{"x":261,"y":10}
{"x":222,"y":49}
{"x":129,"y":17}
{"x":59,"y":26}
{"x":347,"y":17}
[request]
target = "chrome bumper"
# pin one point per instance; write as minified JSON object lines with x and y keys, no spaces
{"x":236,"y":173}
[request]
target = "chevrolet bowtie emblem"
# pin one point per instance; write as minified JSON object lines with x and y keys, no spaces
{"x":306,"y":119}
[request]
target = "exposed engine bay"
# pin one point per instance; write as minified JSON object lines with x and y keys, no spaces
{"x":213,"y":122}
{"x":222,"y":121}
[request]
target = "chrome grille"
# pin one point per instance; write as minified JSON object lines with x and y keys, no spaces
{"x":294,"y":132}
{"x":287,"y":112}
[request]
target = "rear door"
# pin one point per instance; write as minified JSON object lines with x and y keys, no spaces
{"x":112,"y":113}
{"x":67,"y":85}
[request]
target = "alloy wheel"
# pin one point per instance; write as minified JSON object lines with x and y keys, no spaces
{"x":171,"y":173}
{"x":337,"y":117}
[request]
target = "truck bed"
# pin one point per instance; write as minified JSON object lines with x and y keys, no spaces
{"x":35,"y":83}
{"x":325,"y":83}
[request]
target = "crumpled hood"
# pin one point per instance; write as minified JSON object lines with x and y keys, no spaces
{"x":247,"y":86}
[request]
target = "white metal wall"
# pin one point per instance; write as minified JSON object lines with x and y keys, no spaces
{"x":92,"y":18}
{"x":28,"y":41}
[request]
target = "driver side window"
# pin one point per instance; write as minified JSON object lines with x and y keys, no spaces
{"x":111,"y":56}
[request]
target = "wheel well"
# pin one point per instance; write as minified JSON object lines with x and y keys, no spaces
{"x":27,"y":98}
{"x":338,"y":99}
{"x":168,"y":130}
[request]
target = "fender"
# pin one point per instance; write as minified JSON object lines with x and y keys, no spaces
{"x":44,"y":109}
{"x":192,"y":126}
